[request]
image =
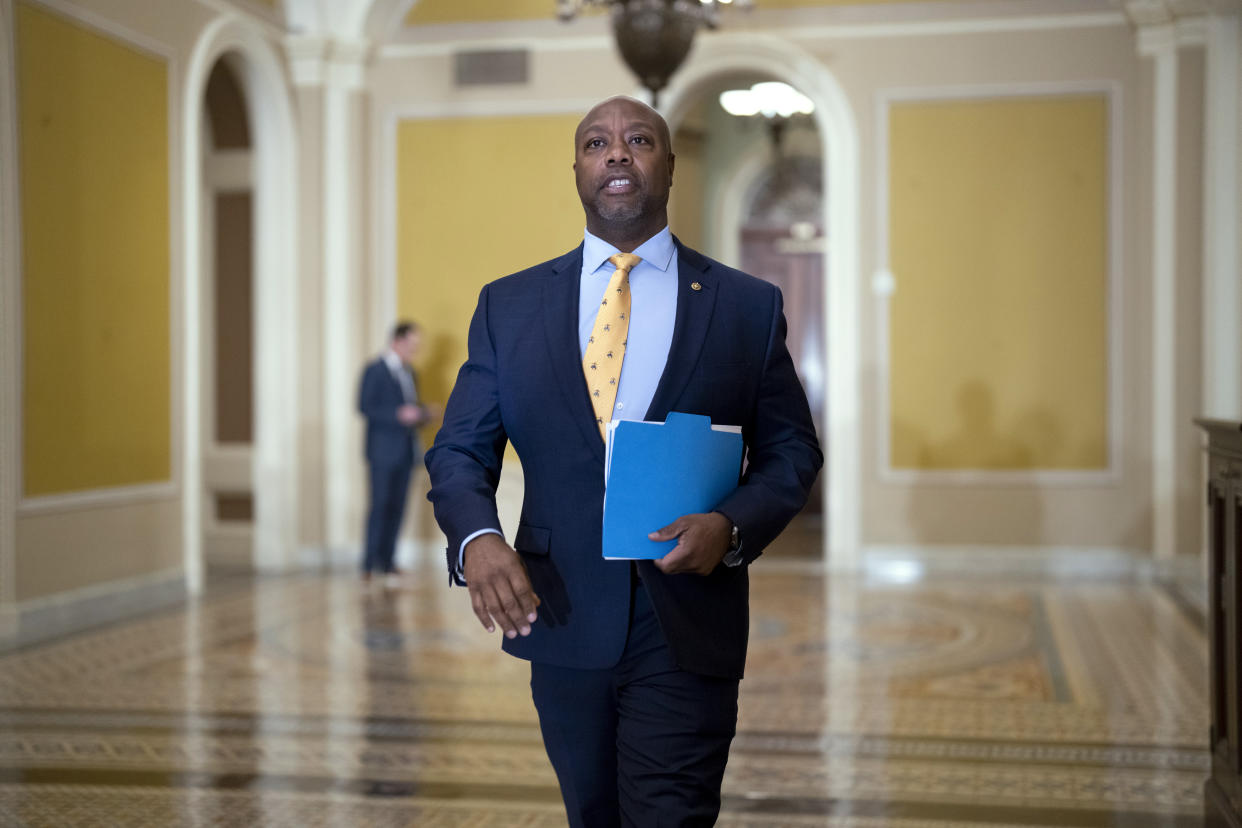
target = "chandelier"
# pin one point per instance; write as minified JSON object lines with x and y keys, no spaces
{"x":654,"y":36}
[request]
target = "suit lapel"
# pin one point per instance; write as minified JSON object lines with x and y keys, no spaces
{"x":560,"y":296}
{"x":390,"y":382}
{"x":694,"y":312}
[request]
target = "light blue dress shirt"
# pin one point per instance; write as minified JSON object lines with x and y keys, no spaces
{"x":653,"y":315}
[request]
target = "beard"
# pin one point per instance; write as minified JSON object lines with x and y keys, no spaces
{"x":620,"y":213}
{"x":623,"y":212}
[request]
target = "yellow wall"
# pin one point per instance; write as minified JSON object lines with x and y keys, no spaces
{"x":473,"y":11}
{"x":93,"y":120}
{"x":999,"y":242}
{"x":477,"y":199}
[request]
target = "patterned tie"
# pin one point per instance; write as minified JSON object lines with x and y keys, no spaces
{"x":605,"y":350}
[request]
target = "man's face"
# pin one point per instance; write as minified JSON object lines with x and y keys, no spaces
{"x":406,"y":346}
{"x":622,"y":163}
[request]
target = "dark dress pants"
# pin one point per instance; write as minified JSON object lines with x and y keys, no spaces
{"x":643,"y":744}
{"x":390,"y":483}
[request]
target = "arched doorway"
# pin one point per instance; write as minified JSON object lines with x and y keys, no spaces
{"x":749,"y":191}
{"x":727,"y":57}
{"x":227,"y":323}
{"x":782,"y":241}
{"x":260,"y":77}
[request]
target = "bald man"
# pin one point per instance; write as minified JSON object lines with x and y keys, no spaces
{"x":634,"y":665}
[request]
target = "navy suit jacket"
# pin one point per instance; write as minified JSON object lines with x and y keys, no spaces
{"x":522,"y":383}
{"x":388,"y":441}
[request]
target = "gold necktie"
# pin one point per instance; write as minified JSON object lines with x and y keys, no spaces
{"x":605,"y":350}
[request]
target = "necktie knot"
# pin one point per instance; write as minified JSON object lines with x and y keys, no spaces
{"x":625,"y":261}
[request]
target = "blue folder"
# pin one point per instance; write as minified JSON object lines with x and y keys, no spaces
{"x":657,"y":472}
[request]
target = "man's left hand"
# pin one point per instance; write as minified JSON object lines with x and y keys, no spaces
{"x":702,"y":541}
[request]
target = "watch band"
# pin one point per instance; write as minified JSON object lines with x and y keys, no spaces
{"x":734,"y":556}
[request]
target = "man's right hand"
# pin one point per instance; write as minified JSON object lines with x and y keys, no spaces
{"x":500,"y":589}
{"x":407,"y":414}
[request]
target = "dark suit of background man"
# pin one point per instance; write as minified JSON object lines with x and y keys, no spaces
{"x":388,"y":398}
{"x":634,"y":666}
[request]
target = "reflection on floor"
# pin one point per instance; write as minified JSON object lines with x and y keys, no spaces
{"x":311,"y":700}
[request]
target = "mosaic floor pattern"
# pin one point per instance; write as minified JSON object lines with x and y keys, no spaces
{"x":313,"y":700}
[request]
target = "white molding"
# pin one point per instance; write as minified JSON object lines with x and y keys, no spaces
{"x":838,"y":132}
{"x":228,"y":468}
{"x":206,"y":315}
{"x":909,"y":562}
{"x":269,"y":26}
{"x":275,"y":323}
{"x":120,"y":586}
{"x":275,"y":311}
{"x":539,"y":37}
{"x":1165,"y":427}
{"x":1108,"y":476}
{"x":1222,"y":291}
{"x":938,"y":28}
{"x":1152,"y":41}
{"x":97,"y":498}
{"x":458,"y":108}
{"x":111,"y":495}
{"x":10,"y":317}
{"x":1191,"y":31}
{"x":87,"y":607}
{"x":112,"y":29}
{"x":229,"y":171}
{"x":176,"y":254}
{"x":503,"y":40}
{"x":228,"y":531}
{"x":318,"y":60}
{"x":729,"y":211}
{"x":352,"y":18}
{"x":383,"y":286}
{"x":341,"y":305}
{"x":307,"y":56}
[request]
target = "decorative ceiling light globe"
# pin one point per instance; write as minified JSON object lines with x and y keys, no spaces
{"x":772,"y":99}
{"x":654,"y":36}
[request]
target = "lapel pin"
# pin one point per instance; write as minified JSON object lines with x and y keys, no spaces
{"x":695,"y":286}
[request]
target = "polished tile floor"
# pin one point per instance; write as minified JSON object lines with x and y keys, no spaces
{"x":971,"y":698}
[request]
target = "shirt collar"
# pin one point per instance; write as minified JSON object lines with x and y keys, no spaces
{"x":394,"y":362}
{"x":656,"y":251}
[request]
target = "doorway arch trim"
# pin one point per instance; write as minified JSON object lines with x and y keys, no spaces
{"x":275,"y":474}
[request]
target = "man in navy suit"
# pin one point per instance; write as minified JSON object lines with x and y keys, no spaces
{"x":634,"y":666}
{"x":388,"y":398}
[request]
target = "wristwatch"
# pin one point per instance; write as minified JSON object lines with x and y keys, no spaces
{"x":734,"y":556}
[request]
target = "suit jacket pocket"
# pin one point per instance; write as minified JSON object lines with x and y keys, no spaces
{"x":532,"y":540}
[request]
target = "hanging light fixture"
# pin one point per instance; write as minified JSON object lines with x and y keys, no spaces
{"x":654,"y":36}
{"x":778,"y":103}
{"x":772,"y":99}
